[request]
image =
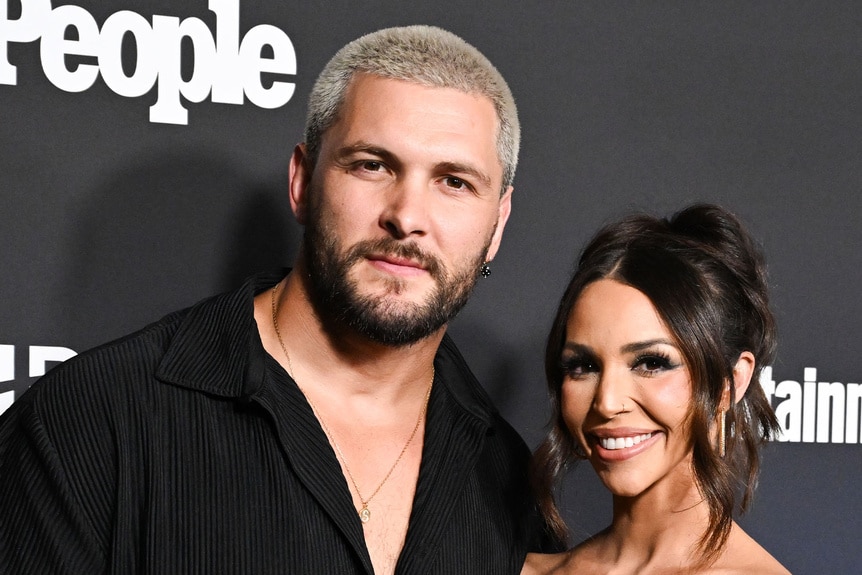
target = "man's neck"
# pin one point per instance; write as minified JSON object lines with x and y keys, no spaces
{"x":348,"y":363}
{"x":370,"y":400}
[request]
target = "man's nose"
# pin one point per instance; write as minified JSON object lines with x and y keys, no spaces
{"x":406,"y":208}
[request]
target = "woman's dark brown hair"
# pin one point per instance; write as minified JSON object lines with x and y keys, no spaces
{"x":706,"y":278}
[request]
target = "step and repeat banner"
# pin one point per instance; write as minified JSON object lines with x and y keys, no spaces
{"x":143,"y":166}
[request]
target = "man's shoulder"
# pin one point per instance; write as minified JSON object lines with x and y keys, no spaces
{"x":472,"y":396}
{"x":148,"y":341}
{"x":101,"y":370}
{"x":72,"y":412}
{"x":461,"y":381}
{"x":198,"y":347}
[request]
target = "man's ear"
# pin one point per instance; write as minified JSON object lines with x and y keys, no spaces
{"x":503,"y":211}
{"x":300,"y":180}
{"x":742,"y":373}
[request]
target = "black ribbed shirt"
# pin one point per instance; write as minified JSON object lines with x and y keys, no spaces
{"x":185,"y":448}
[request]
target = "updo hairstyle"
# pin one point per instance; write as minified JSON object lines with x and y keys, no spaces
{"x":706,"y":278}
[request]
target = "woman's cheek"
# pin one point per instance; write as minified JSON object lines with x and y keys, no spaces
{"x":574,"y":407}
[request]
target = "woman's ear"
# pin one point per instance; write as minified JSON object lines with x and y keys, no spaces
{"x":742,"y":372}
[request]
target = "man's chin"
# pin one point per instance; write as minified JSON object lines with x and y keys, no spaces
{"x":396,"y":330}
{"x":396,"y":309}
{"x":397,"y":293}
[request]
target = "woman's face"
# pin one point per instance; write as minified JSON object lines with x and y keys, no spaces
{"x":626,"y":390}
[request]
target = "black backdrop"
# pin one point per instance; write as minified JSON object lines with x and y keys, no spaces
{"x":109,"y":220}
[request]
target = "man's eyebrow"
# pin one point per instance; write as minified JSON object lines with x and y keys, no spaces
{"x":365,"y":148}
{"x":459,"y":168}
{"x":362,"y":147}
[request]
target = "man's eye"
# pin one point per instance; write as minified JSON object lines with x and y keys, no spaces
{"x":456,"y":183}
{"x":371,"y":166}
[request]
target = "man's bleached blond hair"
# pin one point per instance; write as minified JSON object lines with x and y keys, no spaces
{"x":423,"y":55}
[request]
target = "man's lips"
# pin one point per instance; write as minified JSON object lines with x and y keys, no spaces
{"x":396,"y":264}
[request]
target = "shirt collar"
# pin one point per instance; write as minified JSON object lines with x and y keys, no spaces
{"x":217,"y":350}
{"x":217,"y":347}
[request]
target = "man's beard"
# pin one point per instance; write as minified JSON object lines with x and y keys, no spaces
{"x":378,"y":317}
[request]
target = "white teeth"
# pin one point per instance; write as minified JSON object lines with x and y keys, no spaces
{"x":623,"y":442}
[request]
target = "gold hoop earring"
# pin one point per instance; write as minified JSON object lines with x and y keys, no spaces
{"x":722,"y":437}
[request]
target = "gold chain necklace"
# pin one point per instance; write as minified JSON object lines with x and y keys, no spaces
{"x":364,"y":513}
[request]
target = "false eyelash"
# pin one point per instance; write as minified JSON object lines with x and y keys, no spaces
{"x":662,"y":359}
{"x":569,"y":364}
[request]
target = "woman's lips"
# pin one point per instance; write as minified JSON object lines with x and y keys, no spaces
{"x":622,"y":445}
{"x":614,"y":443}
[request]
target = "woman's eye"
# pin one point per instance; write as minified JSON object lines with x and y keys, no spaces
{"x":578,"y":367}
{"x":651,"y":364}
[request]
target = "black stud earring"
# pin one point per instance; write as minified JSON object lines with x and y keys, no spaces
{"x":485,"y":270}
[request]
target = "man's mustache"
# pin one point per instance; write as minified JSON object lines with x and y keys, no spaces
{"x":398,"y":249}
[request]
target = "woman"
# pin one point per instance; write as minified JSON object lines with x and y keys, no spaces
{"x":653,"y":363}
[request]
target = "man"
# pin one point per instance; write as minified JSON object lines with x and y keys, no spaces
{"x":319,"y":422}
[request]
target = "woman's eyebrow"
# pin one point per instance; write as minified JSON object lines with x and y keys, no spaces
{"x":642,"y":345}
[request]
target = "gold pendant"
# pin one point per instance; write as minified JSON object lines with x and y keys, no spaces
{"x":364,"y":514}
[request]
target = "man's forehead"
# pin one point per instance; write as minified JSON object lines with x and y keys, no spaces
{"x":366,"y":115}
{"x":363,"y":82}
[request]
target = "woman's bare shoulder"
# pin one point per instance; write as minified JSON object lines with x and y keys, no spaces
{"x":545,"y":563}
{"x":745,"y":555}
{"x":576,"y":560}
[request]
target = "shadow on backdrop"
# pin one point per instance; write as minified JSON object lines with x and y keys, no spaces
{"x":161,"y":235}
